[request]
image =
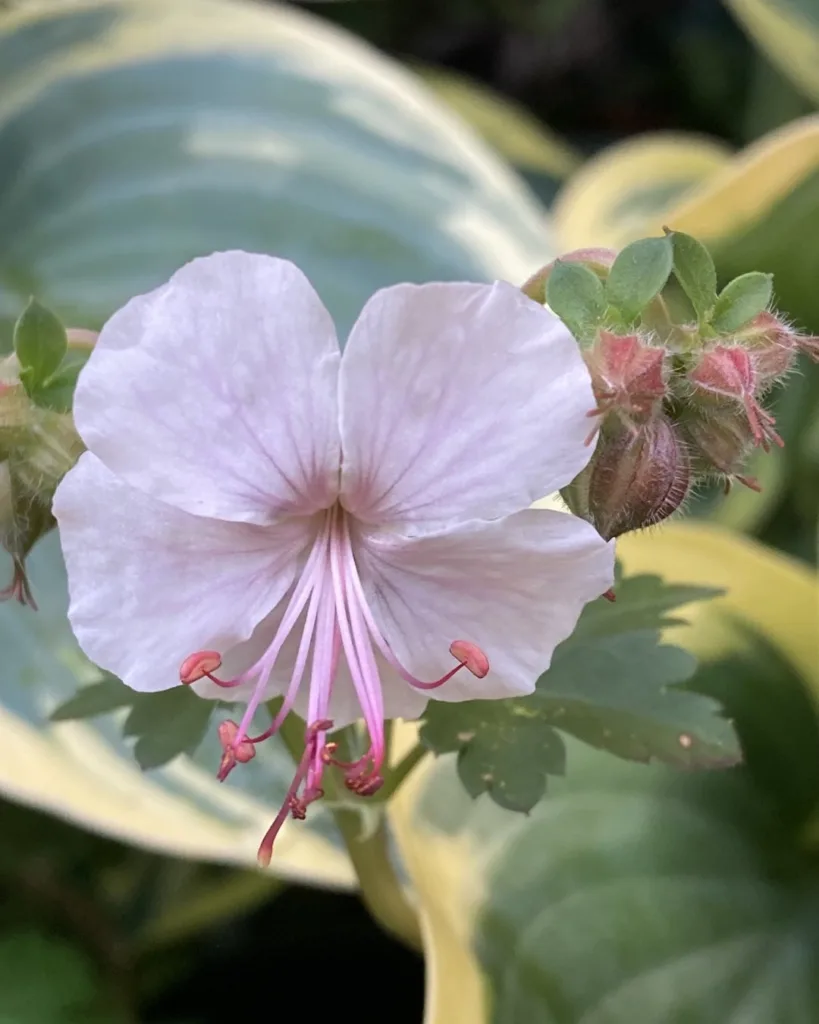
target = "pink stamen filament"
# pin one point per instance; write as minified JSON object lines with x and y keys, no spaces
{"x":337,"y":618}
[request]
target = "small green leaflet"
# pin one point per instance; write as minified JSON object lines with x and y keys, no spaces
{"x":612,"y":684}
{"x":48,"y":366}
{"x":163,"y":724}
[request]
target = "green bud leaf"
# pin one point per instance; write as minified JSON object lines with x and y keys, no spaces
{"x":57,"y":393}
{"x":40,"y":344}
{"x":639,"y":274}
{"x":741,"y":300}
{"x":695,"y":270}
{"x":577,"y":295}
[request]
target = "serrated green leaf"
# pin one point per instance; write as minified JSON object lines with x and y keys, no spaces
{"x":40,"y":343}
{"x":505,"y":748}
{"x":620,"y":694}
{"x":167,"y":724}
{"x":741,"y":300}
{"x":97,"y":699}
{"x":642,"y":602}
{"x":638,"y":274}
{"x":576,"y":294}
{"x":611,"y":684}
{"x":694,"y":269}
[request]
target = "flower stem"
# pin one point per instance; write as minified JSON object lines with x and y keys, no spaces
{"x":381,"y":891}
{"x":397,"y":774}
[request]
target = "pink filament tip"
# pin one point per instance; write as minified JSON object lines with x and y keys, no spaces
{"x":198,"y":665}
{"x":470,"y":656}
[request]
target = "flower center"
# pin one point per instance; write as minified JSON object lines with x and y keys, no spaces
{"x":330,"y":602}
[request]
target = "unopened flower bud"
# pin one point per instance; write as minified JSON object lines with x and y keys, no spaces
{"x":37,"y":448}
{"x":628,"y":375}
{"x":719,"y":444}
{"x":635,"y":479}
{"x":773,"y":345}
{"x":728,"y":372}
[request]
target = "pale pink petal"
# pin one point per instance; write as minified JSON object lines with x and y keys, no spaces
{"x":217,"y":393}
{"x":150,"y":584}
{"x":515,"y":587}
{"x":459,"y":401}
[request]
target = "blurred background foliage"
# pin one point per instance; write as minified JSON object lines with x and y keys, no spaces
{"x":633,"y":892}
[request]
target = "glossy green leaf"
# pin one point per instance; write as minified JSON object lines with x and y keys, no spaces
{"x":611,"y":684}
{"x":638,"y":274}
{"x":741,"y":300}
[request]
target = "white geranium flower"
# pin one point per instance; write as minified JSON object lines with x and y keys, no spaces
{"x":331,"y":527}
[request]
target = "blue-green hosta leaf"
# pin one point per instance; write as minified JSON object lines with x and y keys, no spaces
{"x":640,"y":894}
{"x":138,"y":134}
{"x":611,"y":684}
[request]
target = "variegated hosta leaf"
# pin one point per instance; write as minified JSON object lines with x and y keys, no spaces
{"x":136,"y":135}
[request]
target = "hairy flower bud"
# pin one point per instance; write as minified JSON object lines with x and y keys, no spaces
{"x":719,"y":444}
{"x":628,"y":375}
{"x":37,"y":448}
{"x":727,"y":373}
{"x":635,"y":479}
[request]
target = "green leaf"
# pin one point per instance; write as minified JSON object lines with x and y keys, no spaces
{"x":611,"y":684}
{"x":164,"y":724}
{"x":741,"y":300}
{"x":576,"y":295}
{"x":642,"y":602}
{"x":40,"y":343}
{"x":46,"y":980}
{"x":97,"y":699}
{"x":57,"y":393}
{"x":638,"y":274}
{"x":167,"y":724}
{"x":505,"y":748}
{"x":694,"y":269}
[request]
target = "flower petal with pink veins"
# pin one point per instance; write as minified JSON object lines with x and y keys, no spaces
{"x":515,"y":587}
{"x":457,"y":402}
{"x":150,"y":584}
{"x":217,"y":393}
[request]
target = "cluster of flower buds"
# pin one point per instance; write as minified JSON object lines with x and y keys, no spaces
{"x":679,"y":371}
{"x":38,"y":442}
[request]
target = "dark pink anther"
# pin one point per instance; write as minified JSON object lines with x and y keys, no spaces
{"x":470,"y":656}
